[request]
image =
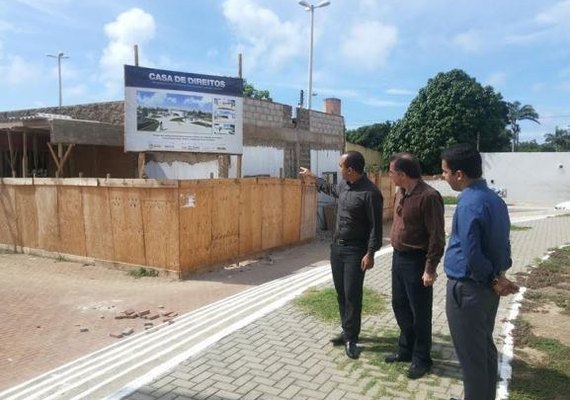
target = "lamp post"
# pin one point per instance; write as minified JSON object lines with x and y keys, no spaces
{"x":59,"y":56}
{"x":311,"y":8}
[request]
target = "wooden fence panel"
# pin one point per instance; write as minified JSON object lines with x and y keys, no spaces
{"x":71,"y":221}
{"x":48,"y":224}
{"x":27,"y":215}
{"x":195,"y":199}
{"x":9,"y":230}
{"x":291,"y":210}
{"x":225,"y":221}
{"x":97,"y":219}
{"x":127,"y":224}
{"x":250,"y":213}
{"x":308,"y":211}
{"x":180,"y":226}
{"x":161,"y":228}
{"x":272,"y":217}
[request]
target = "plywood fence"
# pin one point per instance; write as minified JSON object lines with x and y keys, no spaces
{"x":384,"y":183}
{"x":179,"y":226}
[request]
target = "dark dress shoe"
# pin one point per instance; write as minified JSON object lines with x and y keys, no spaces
{"x":397,"y":357}
{"x":338,"y":340}
{"x":351,"y":350}
{"x":416,"y":371}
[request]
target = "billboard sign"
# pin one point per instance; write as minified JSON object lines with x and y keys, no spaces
{"x":183,"y":112}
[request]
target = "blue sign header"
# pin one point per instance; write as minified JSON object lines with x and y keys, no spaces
{"x":172,"y":80}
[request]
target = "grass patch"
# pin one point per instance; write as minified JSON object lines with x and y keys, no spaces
{"x":143,"y":272}
{"x":449,"y":200}
{"x":548,"y":379}
{"x":520,"y":228}
{"x":563,"y":215}
{"x":541,"y":367}
{"x":554,"y":271}
{"x":322,"y":303}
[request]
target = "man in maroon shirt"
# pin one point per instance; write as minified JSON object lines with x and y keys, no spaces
{"x":418,"y":238}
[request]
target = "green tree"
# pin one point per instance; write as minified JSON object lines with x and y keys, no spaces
{"x":452,"y":108}
{"x":533,"y":147}
{"x":250,"y":91}
{"x":370,"y":136}
{"x":560,"y":139}
{"x":517,"y":113}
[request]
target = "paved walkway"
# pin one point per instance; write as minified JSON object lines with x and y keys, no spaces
{"x":258,"y":345}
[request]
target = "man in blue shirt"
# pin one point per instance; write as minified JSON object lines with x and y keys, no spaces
{"x":478,"y":254}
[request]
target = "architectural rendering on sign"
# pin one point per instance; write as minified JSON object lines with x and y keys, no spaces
{"x":177,"y":111}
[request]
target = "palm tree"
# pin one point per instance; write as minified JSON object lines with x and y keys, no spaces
{"x":518,"y":113}
{"x":560,"y":139}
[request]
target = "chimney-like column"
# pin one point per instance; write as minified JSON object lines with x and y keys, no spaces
{"x":332,"y":106}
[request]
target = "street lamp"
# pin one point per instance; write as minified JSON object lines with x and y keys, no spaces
{"x":59,"y":56}
{"x":311,"y":8}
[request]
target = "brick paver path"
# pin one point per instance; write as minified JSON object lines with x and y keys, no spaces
{"x":287,"y":355}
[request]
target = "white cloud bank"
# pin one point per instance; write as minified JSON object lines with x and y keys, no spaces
{"x":263,"y":37}
{"x":369,"y":44}
{"x":15,"y":71}
{"x":134,"y":26}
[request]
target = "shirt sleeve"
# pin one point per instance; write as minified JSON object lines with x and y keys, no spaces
{"x":374,"y":208}
{"x":435,"y":225}
{"x":327,"y":188}
{"x":469,"y":232}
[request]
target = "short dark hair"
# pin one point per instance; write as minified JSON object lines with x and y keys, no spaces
{"x":354,"y":160}
{"x":408,"y":164}
{"x":464,"y":157}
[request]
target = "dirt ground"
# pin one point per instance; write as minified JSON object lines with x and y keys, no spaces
{"x":54,"y":311}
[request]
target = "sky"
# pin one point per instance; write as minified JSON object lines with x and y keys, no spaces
{"x":374,"y":55}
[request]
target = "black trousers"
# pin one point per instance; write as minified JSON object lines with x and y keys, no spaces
{"x":348,"y":280}
{"x":471,"y":309}
{"x":412,"y":304}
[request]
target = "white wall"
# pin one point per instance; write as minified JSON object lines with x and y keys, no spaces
{"x":256,"y":160}
{"x":181,"y":170}
{"x":530,"y":178}
{"x":442,"y":187}
{"x":261,"y":161}
{"x":324,"y":161}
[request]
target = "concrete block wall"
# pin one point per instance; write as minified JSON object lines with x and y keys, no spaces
{"x":266,"y":114}
{"x":329,"y":124}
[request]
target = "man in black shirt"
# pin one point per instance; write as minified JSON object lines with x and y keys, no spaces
{"x":357,"y":236}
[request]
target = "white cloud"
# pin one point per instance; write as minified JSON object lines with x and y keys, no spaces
{"x":17,"y":71}
{"x":538,"y":87}
{"x":400,"y":92}
{"x":51,"y":8}
{"x":368,"y":44}
{"x":468,"y":41}
{"x":558,"y":14}
{"x":262,"y":36}
{"x":76,"y":91}
{"x":564,"y":73}
{"x":6,"y":26}
{"x":156,"y":100}
{"x":384,"y":103}
{"x":497,"y":80}
{"x":549,"y":25}
{"x":134,"y":26}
